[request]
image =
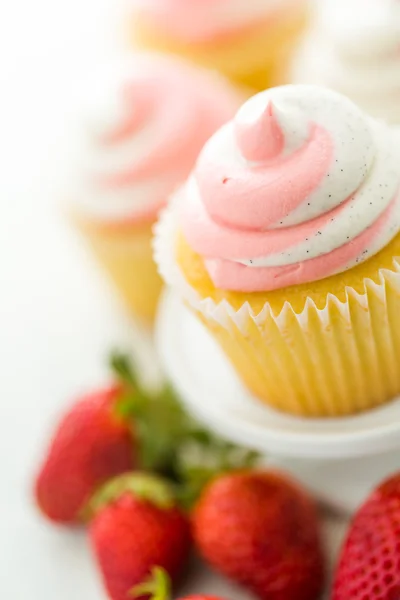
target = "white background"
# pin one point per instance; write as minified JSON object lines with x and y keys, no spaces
{"x":57,"y":316}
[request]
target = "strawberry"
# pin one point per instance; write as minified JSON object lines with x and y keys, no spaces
{"x":261,"y":530}
{"x":369,"y":564}
{"x":137,"y":525}
{"x":90,"y":445}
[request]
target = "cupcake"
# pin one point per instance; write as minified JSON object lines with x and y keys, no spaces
{"x":249,"y":41}
{"x":146,"y":122}
{"x":355,"y":49}
{"x":285,"y":242}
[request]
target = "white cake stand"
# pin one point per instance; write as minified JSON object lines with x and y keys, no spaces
{"x":339,"y":459}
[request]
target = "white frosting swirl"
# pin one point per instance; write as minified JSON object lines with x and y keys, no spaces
{"x":300,"y":186}
{"x":355,"y":48}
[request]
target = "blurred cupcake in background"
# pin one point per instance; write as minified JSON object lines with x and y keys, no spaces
{"x":146,"y":121}
{"x":249,"y":41}
{"x":355,"y":49}
{"x":285,"y":242}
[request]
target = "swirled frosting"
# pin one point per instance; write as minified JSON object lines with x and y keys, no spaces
{"x":204,"y":19}
{"x":355,"y":49}
{"x":299,"y":186}
{"x":146,"y":122}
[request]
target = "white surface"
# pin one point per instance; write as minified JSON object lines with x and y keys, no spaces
{"x":57,"y":317}
{"x":340,"y":459}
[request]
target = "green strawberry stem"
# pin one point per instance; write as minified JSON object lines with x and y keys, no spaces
{"x":170,"y":442}
{"x":157,"y":586}
{"x":143,"y":486}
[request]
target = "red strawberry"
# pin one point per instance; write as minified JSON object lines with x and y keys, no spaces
{"x":369,"y":565}
{"x":261,"y":530}
{"x":90,"y":445}
{"x":137,"y":526}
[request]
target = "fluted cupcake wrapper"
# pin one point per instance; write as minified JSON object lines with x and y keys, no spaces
{"x":338,"y":360}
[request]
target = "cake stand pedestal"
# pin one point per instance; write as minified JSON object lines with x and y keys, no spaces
{"x":340,"y":460}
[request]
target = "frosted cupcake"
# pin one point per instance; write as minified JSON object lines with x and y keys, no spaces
{"x":285,"y":243}
{"x":249,"y":41}
{"x":355,"y":49}
{"x":146,"y":123}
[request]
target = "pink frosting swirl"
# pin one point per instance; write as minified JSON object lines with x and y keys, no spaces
{"x":146,"y":126}
{"x":299,"y":186}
